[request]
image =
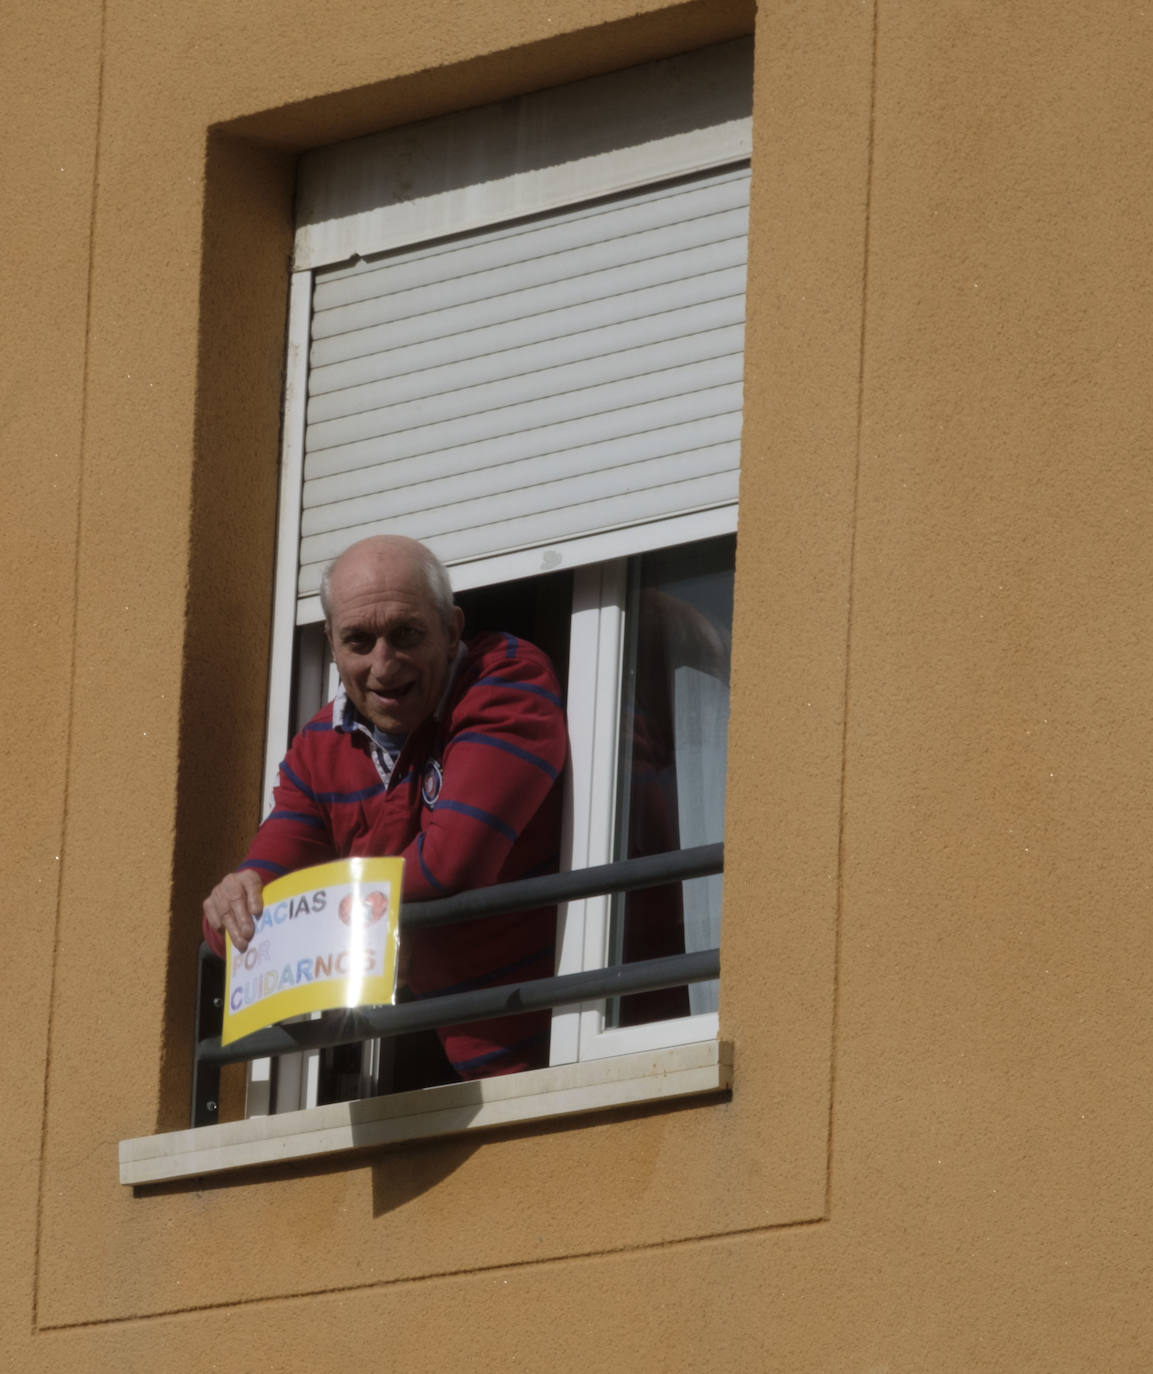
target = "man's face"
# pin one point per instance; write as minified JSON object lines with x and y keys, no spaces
{"x":391,"y":647}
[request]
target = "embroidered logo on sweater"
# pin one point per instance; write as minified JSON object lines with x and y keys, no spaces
{"x":431,"y":781}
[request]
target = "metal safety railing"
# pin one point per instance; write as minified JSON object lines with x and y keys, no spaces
{"x":479,"y":1004}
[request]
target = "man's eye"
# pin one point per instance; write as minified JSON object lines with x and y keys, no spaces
{"x":359,"y":644}
{"x":407,"y":636}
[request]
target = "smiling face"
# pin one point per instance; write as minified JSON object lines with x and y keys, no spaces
{"x":391,"y":646}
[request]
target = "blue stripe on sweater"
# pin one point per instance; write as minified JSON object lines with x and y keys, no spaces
{"x":331,"y":798}
{"x":432,"y":882}
{"x":519,"y":687}
{"x":266,"y":864}
{"x":302,"y":816}
{"x":298,"y":783}
{"x":493,"y":822}
{"x":475,"y":737}
{"x":467,"y":1065}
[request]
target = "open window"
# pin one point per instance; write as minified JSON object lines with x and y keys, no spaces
{"x":517,"y":335}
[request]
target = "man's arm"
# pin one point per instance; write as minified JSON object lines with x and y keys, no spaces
{"x":505,"y":753}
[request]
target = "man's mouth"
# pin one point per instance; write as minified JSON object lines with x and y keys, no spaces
{"x":392,"y":693}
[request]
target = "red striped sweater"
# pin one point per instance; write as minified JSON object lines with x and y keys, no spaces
{"x":490,"y":765}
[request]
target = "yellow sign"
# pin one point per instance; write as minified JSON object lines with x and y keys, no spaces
{"x":327,"y":937}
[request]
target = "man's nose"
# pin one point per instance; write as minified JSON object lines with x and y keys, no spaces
{"x":382,"y":656}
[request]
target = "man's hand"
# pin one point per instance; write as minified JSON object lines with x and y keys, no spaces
{"x":232,"y":906}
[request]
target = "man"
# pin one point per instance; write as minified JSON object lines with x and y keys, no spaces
{"x":448,"y":754}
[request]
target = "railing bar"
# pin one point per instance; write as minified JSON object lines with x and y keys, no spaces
{"x":209,"y":1016}
{"x":477,"y":1005}
{"x":626,"y":875}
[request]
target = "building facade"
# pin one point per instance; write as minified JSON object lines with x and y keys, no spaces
{"x":933,"y":989}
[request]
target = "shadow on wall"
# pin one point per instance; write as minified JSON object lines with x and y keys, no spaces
{"x":399,"y":1175}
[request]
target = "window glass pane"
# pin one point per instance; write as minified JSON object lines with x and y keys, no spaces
{"x":674,"y":724}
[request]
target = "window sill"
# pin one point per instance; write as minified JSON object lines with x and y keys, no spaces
{"x":540,"y":1095}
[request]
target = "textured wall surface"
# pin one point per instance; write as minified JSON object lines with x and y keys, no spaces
{"x":938,"y":861}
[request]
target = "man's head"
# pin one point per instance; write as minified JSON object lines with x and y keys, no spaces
{"x":393,"y":629}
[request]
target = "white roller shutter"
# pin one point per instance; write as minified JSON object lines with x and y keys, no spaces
{"x":531,"y":383}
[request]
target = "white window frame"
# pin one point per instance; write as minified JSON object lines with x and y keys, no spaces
{"x":598,"y":560}
{"x":596,"y":656}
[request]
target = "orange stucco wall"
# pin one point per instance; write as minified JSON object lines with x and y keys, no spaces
{"x":938,"y":876}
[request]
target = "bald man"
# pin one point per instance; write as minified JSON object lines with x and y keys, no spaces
{"x":446,"y":753}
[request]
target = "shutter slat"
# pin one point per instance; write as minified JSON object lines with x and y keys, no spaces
{"x":408,"y":354}
{"x":508,"y":228}
{"x":426,"y":433}
{"x":566,"y":494}
{"x":514,"y":246}
{"x":554,"y":268}
{"x":458,"y":447}
{"x":554,"y":385}
{"x":575,"y":359}
{"x":474,"y":466}
{"x":558,"y":523}
{"x":531,"y":303}
{"x":588,"y":463}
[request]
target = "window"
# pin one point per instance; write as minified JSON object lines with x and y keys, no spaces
{"x":516,"y":334}
{"x":648,"y":716}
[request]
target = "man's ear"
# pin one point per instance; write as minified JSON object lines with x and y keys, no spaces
{"x":457,"y":627}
